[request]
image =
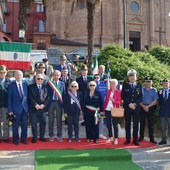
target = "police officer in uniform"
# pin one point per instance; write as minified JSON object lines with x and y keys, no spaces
{"x":132,"y":97}
{"x":148,"y":106}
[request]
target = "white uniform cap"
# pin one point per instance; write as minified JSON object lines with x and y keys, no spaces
{"x":132,"y":72}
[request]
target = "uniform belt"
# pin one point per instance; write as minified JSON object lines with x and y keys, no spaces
{"x":54,"y":100}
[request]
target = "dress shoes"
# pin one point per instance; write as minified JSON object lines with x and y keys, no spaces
{"x":16,"y":142}
{"x":96,"y":141}
{"x":78,"y":139}
{"x":43,"y":139}
{"x":24,"y":142}
{"x":127,"y":142}
{"x":34,"y":140}
{"x":136,"y":143}
{"x":153,"y":141}
{"x":140,"y":139}
{"x":7,"y":141}
{"x":162,"y":143}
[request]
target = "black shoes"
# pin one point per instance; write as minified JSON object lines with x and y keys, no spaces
{"x":34,"y":140}
{"x":43,"y":139}
{"x":140,"y":139}
{"x":16,"y":142}
{"x":24,"y":142}
{"x":162,"y":143}
{"x":136,"y":143}
{"x":96,"y":141}
{"x":153,"y":141}
{"x":7,"y":141}
{"x":88,"y":140}
{"x":127,"y":142}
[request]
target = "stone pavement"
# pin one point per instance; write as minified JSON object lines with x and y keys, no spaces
{"x":157,"y":158}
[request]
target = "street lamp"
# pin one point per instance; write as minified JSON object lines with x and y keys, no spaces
{"x":124,"y":23}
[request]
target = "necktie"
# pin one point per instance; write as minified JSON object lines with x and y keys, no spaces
{"x":132,"y":86}
{"x":20,"y":91}
{"x":39,"y":89}
{"x":166,"y":95}
{"x":85,"y":79}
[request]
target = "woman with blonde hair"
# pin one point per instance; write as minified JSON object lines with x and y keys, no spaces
{"x":73,"y":102}
{"x":113,"y":99}
{"x":93,"y":106}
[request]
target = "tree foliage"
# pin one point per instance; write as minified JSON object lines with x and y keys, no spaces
{"x":122,"y":60}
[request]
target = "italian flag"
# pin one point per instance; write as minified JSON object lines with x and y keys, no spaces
{"x":15,"y":55}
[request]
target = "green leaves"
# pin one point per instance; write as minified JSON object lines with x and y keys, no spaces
{"x":145,"y":63}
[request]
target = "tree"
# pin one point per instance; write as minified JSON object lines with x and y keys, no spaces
{"x":24,"y":6}
{"x":91,"y":6}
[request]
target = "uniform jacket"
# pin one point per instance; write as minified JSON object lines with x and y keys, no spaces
{"x":164,"y":104}
{"x":61,"y":86}
{"x":16,"y":104}
{"x":49,"y":71}
{"x":67,"y":103}
{"x":130,"y":95}
{"x":3,"y":93}
{"x":117,"y":98}
{"x":35,"y":98}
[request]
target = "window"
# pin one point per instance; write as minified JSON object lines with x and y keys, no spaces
{"x":134,"y":6}
{"x":40,"y":8}
{"x":41,"y":26}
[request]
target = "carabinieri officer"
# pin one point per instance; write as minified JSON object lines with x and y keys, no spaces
{"x":148,"y":105}
{"x":132,"y":96}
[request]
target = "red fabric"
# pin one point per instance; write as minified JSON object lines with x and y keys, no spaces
{"x":11,"y":64}
{"x":117,"y":98}
{"x":73,"y":145}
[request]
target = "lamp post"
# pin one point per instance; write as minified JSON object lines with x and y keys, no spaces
{"x":124,"y":23}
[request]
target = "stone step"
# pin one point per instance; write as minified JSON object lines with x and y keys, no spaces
{"x":17,"y":158}
{"x":16,"y":167}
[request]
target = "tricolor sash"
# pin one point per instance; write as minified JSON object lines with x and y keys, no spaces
{"x":57,"y":91}
{"x":96,"y":114}
{"x":75,"y":99}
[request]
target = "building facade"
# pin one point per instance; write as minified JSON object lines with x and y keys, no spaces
{"x":35,"y":19}
{"x":136,"y":24}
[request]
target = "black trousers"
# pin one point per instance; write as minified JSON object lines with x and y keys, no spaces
{"x":150,"y":119}
{"x":135,"y":115}
{"x":112,"y":121}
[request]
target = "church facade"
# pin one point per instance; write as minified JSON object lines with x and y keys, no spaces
{"x":134,"y":24}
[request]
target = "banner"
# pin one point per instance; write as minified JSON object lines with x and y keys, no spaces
{"x":15,"y":55}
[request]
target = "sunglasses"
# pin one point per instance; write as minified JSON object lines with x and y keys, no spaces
{"x":73,"y":86}
{"x":39,"y":79}
{"x":96,"y":77}
{"x":92,"y":85}
{"x":147,"y":81}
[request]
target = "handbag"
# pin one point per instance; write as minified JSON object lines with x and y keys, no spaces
{"x":117,"y":112}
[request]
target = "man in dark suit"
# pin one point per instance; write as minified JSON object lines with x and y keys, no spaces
{"x":63,"y":60}
{"x":164,"y":112}
{"x":17,"y":105}
{"x":83,"y":80}
{"x":4,"y":82}
{"x":132,"y":97}
{"x":38,"y":98}
{"x":56,"y":90}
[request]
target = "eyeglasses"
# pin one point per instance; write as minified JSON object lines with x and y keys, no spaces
{"x":92,"y":85}
{"x":74,"y":86}
{"x":39,"y":79}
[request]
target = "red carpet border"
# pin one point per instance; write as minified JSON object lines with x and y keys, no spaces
{"x":73,"y":145}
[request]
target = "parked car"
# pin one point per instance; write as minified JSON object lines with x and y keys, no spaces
{"x":81,"y":54}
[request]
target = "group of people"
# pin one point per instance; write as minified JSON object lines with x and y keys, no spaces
{"x":53,"y":92}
